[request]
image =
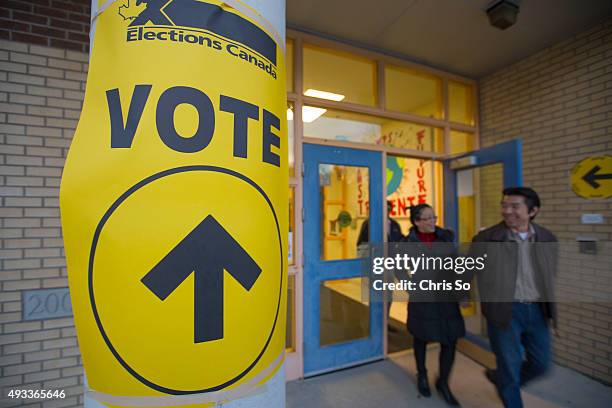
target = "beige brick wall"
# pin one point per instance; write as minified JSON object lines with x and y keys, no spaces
{"x":41,"y":92}
{"x":559,"y":101}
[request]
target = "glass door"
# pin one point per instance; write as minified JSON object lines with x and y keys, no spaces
{"x":342,"y":212}
{"x":473,"y":187}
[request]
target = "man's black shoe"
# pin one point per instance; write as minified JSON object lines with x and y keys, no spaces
{"x":442,"y":387}
{"x":423,"y":385}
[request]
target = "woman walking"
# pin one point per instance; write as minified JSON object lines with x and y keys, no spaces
{"x":435,"y":320}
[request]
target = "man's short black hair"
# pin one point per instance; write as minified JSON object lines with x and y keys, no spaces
{"x":531,"y":197}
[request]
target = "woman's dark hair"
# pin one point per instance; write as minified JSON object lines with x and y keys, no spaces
{"x":531,"y":197}
{"x":416,"y":210}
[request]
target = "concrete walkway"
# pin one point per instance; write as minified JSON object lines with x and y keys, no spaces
{"x":391,"y":383}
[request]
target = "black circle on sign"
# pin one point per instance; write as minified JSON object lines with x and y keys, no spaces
{"x":92,"y":255}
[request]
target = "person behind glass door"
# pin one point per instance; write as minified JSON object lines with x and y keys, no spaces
{"x":435,"y":320}
{"x":394,"y":234}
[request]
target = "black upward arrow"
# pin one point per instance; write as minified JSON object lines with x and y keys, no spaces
{"x":591,"y":177}
{"x":206,"y":251}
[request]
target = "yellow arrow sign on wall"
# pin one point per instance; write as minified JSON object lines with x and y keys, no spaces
{"x":592,"y":177}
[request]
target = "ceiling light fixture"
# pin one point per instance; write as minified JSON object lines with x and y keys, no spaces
{"x":315,"y":93}
{"x":502,"y":13}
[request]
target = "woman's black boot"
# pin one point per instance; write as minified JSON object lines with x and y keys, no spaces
{"x":423,"y":385}
{"x":442,"y":387}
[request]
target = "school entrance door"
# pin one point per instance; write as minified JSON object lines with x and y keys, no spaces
{"x":341,"y":327}
{"x":343,"y":207}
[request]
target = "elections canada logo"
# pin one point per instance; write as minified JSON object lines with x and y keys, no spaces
{"x":200,"y":24}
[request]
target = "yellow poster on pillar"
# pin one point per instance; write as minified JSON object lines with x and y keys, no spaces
{"x":173,"y":203}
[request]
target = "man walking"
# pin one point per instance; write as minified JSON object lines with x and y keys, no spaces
{"x":520,"y":305}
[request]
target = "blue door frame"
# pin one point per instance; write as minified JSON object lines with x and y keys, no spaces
{"x":509,"y":154}
{"x":319,"y":359}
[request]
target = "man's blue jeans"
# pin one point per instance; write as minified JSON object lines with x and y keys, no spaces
{"x":522,"y":351}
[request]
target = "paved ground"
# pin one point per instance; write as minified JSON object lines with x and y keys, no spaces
{"x":391,"y":383}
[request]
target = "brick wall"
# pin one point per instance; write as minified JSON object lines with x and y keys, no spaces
{"x":61,"y":24}
{"x":559,"y":101}
{"x":41,"y":92}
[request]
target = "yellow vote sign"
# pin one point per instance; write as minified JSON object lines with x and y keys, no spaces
{"x":173,"y":204}
{"x":592,"y":177}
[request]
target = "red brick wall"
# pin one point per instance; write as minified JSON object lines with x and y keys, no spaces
{"x":60,"y":24}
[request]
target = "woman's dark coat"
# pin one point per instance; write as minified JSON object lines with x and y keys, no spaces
{"x":438,"y":321}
